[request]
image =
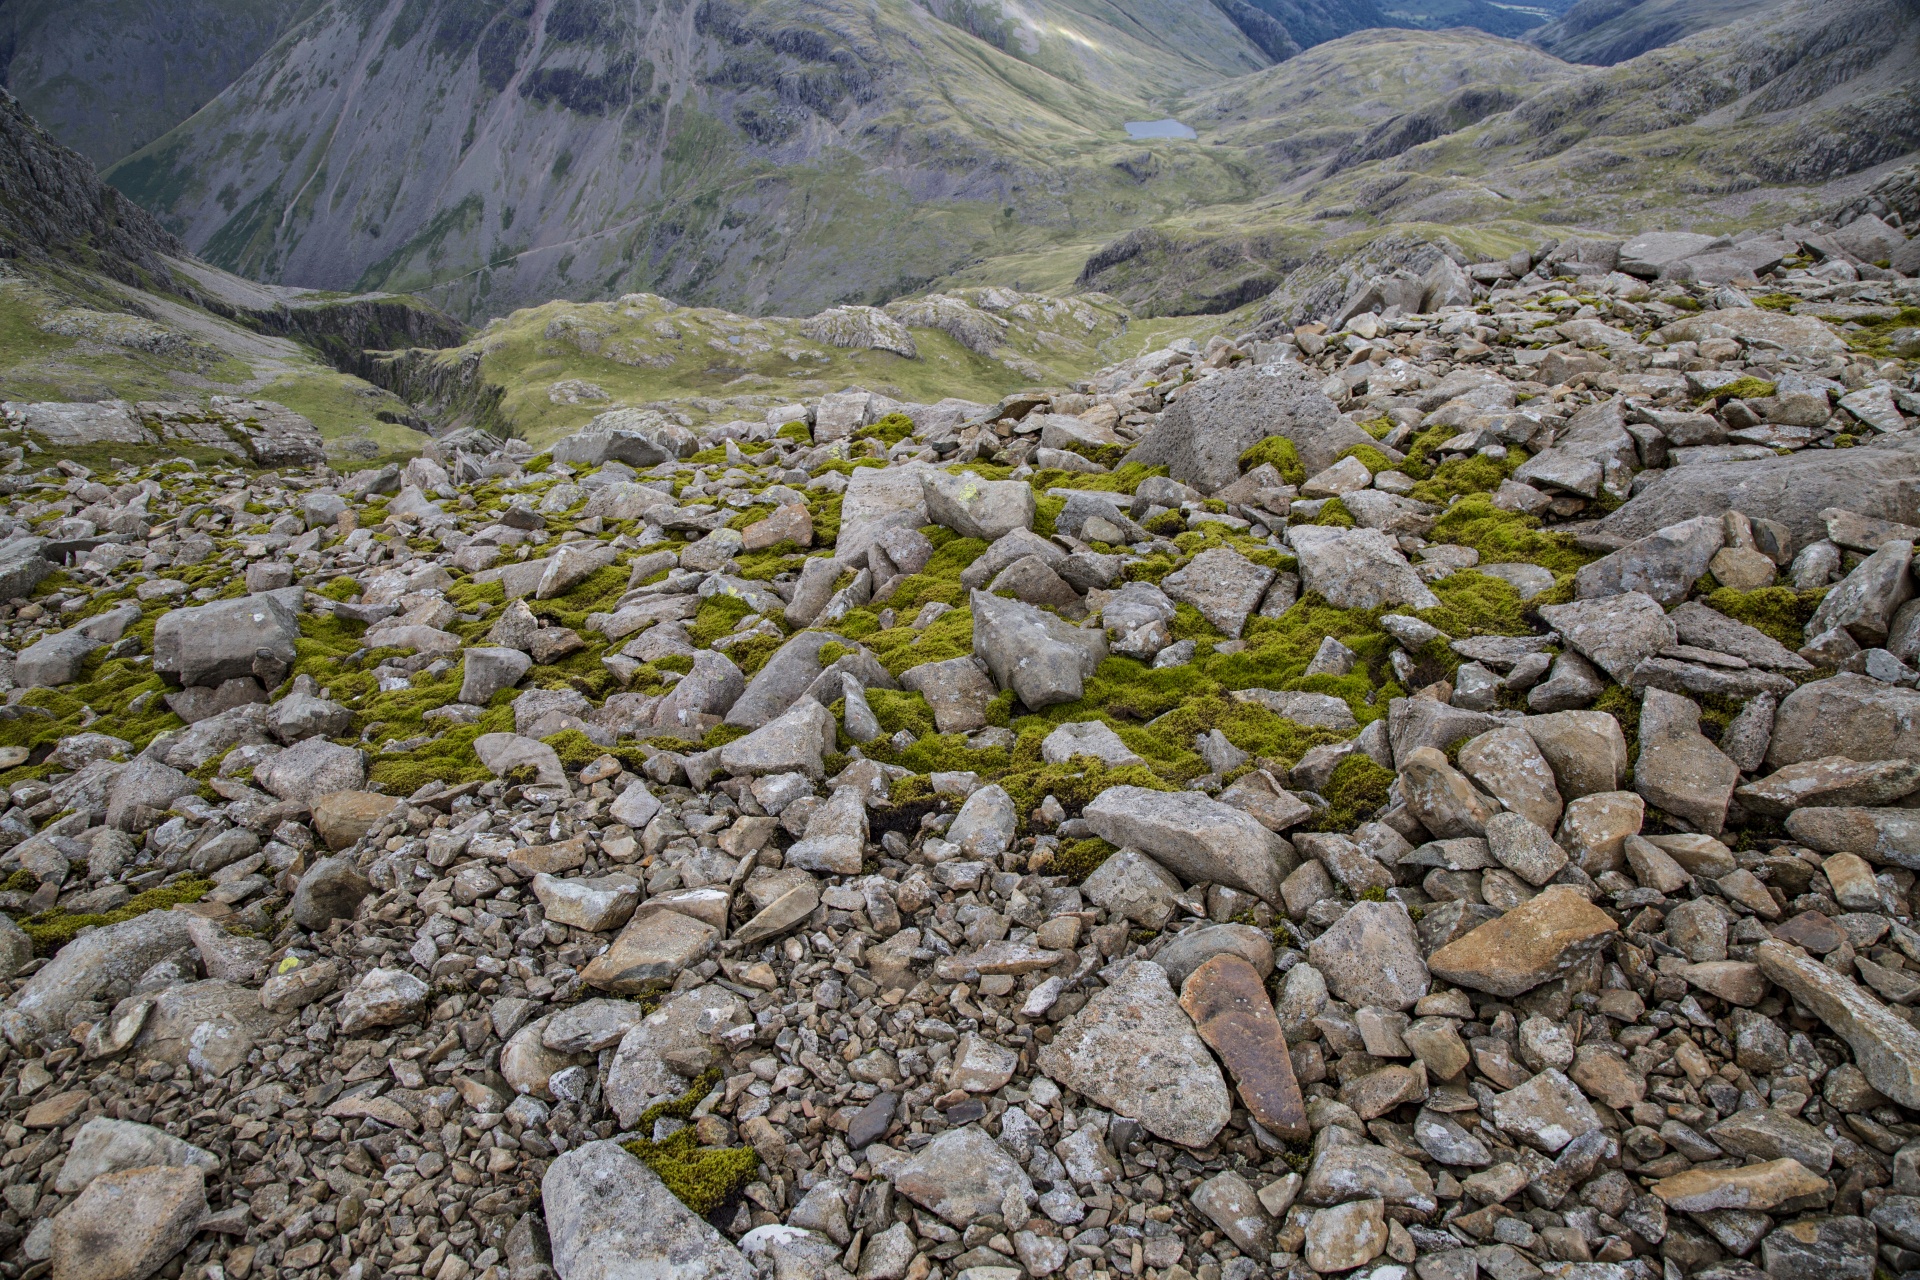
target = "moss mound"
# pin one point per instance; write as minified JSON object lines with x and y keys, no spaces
{"x":705,"y":1179}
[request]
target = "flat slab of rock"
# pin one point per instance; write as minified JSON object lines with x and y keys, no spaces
{"x":1196,"y":837}
{"x":961,"y":1175}
{"x":1886,"y":1048}
{"x":1222,"y":584}
{"x":1228,"y":1003}
{"x":1357,"y":568}
{"x":1371,"y":956}
{"x":649,"y":952}
{"x":609,"y":1217}
{"x":1133,"y":1050}
{"x":1878,"y":835}
{"x":105,"y":1145}
{"x":1615,"y":633}
{"x":1757,"y":1187}
{"x":126,"y":1225}
{"x":1537,"y":940}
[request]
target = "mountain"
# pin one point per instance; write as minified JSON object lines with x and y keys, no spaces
{"x":107,"y":77}
{"x":98,"y":301}
{"x":1604,"y":32}
{"x":780,"y":155}
{"x":1777,"y":116}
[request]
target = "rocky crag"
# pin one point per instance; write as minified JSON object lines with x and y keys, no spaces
{"x":1421,"y":790}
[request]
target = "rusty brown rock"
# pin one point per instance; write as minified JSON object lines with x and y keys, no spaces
{"x":1228,"y":1004}
{"x":1537,"y":940}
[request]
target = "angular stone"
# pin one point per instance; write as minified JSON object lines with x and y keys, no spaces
{"x":591,"y":903}
{"x":1440,"y":796}
{"x":382,"y":998}
{"x":836,"y":836}
{"x":1616,"y":632}
{"x":1679,"y":771}
{"x":1132,"y":1050}
{"x":1087,"y":738}
{"x":1521,"y":846}
{"x":1203,"y":433}
{"x":1585,"y":749}
{"x":127,"y":1225}
{"x":976,"y":508}
{"x":1350,"y":1171}
{"x":957,"y":690}
{"x":1357,"y":568}
{"x":1223,"y":585}
{"x":1846,"y":715}
{"x":1838,"y":1248}
{"x":1510,"y":766}
{"x":1595,"y":828}
{"x":1865,"y":600}
{"x":1878,"y":835}
{"x":1133,"y":886}
{"x":657,"y":1055}
{"x":1371,"y":956}
{"x":609,"y":1217}
{"x":1664,"y":565}
{"x":1186,"y":952}
{"x":1766,"y":1134}
{"x":1832,"y":781}
{"x":962,"y":1175}
{"x":1885,"y":1047}
{"x":793,"y":742}
{"x":1756,"y":1186}
{"x":1536,"y":941}
{"x":1228,"y":1003}
{"x":1043,"y":659}
{"x":650,"y":952}
{"x":1235,"y":1208}
{"x":1198,"y":838}
{"x":1547,"y":1112}
{"x":489,"y":670}
{"x":105,"y":1146}
{"x":343,"y":817}
{"x":1346,"y":1236}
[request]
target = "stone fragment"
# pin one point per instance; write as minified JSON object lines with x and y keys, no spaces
{"x":1131,"y":885}
{"x":961,"y":1175}
{"x":1042,"y":658}
{"x":1440,"y":796}
{"x":650,"y":952}
{"x":332,"y":889}
{"x":1836,"y":1248}
{"x":977,"y":508}
{"x":1357,"y":568}
{"x":1132,"y":1050}
{"x":343,"y":817}
{"x":1756,"y":1186}
{"x":1547,"y":1112}
{"x":1371,"y":956}
{"x":1508,"y":764}
{"x":1536,"y":941}
{"x":1679,"y":770}
{"x":1346,"y":1236}
{"x":1664,"y":565}
{"x":1885,"y":1047}
{"x":1222,"y":584}
{"x":1878,"y":835}
{"x":609,"y":1217}
{"x":1233,"y":1206}
{"x":1524,"y":848}
{"x":1830,"y":782}
{"x":126,"y":1225}
{"x":1228,"y":1003}
{"x":1615,"y":632}
{"x":1198,"y":838}
{"x":1585,"y":749}
{"x":105,"y":1146}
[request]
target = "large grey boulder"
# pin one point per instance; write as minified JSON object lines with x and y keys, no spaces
{"x":1203,"y":433}
{"x":1846,"y":715}
{"x":1617,"y":633}
{"x":314,"y":768}
{"x":1664,"y":565}
{"x":1357,"y":568}
{"x":1593,"y":452}
{"x":1222,"y":584}
{"x":1371,"y":956}
{"x":144,"y":789}
{"x":707,"y":691}
{"x":1043,"y":659}
{"x":609,"y":1217}
{"x":1865,"y":600}
{"x":791,"y":670}
{"x":878,"y":498}
{"x":792,"y":742}
{"x":658,"y":1054}
{"x":22,"y":566}
{"x":1195,"y":836}
{"x":87,"y":966}
{"x":105,"y":1145}
{"x":227,"y":640}
{"x":637,"y":437}
{"x":977,"y":508}
{"x":1874,"y":479}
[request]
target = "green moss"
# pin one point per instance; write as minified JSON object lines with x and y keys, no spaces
{"x":1354,"y":793}
{"x":1046,"y":510}
{"x":1279,"y":451}
{"x":890,"y":430}
{"x":1334,"y":514}
{"x":832,"y":651}
{"x":341,"y":589}
{"x":1373,"y":893}
{"x":1780,"y":612}
{"x":704,"y":1178}
{"x":449,"y":758}
{"x":1623,"y":705}
{"x":21,"y":881}
{"x":1078,"y":859}
{"x":51,"y":930}
{"x":1379,"y":428}
{"x":826,"y":520}
{"x":1782,"y":302}
{"x":1370,"y":457}
{"x":795,"y":431}
{"x":1747,"y":387}
{"x":1506,"y":536}
{"x":1473,"y":474}
{"x":576,"y":751}
{"x":898,"y":709}
{"x":1872,"y":331}
{"x":719,"y":614}
{"x":1124,"y":478}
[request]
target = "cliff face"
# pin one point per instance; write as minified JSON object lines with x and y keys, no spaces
{"x":1605,"y":32}
{"x":53,"y":207}
{"x":107,"y":77}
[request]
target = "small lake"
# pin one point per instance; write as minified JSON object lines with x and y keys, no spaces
{"x":1158,"y":129}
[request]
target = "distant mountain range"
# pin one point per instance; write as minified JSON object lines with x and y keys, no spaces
{"x":780,"y":156}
